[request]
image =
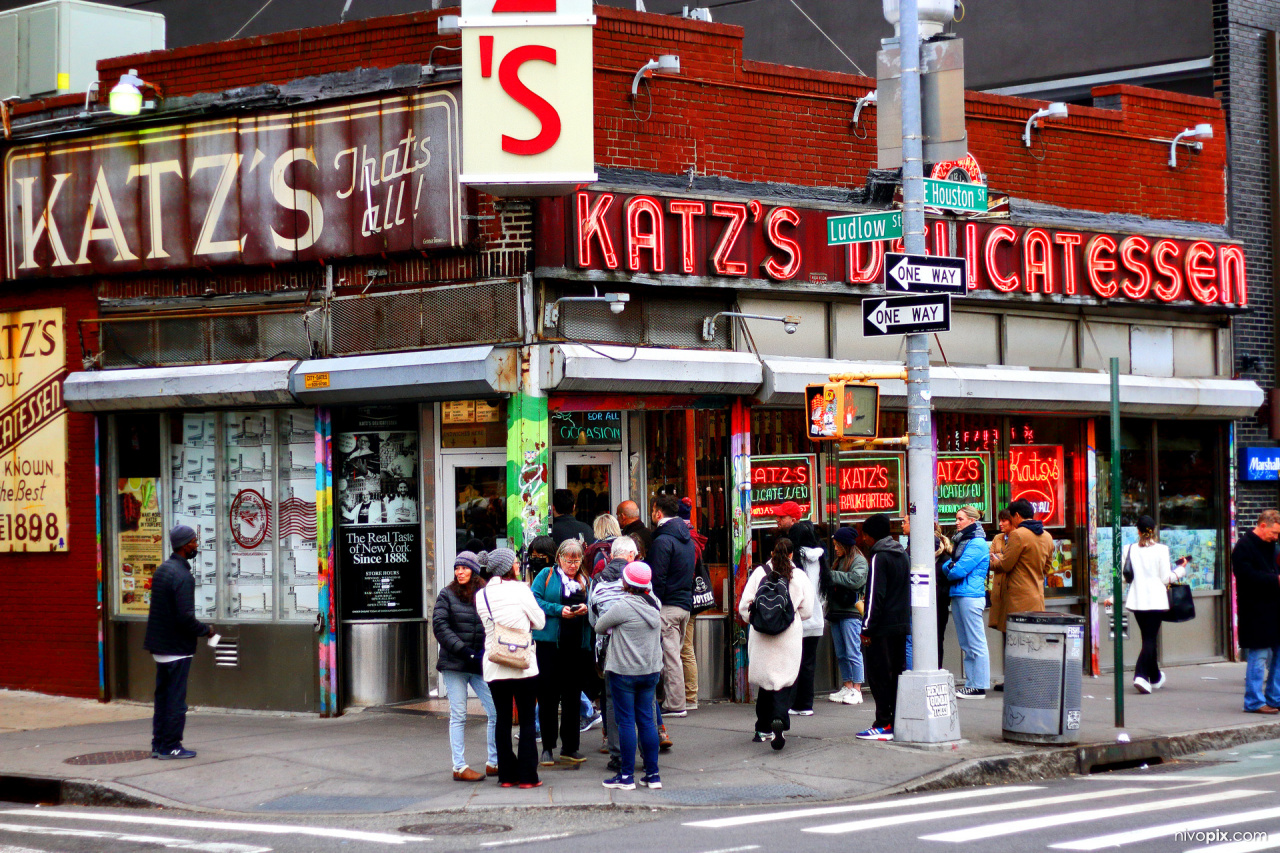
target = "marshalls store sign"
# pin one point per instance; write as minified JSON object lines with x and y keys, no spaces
{"x":1259,"y":463}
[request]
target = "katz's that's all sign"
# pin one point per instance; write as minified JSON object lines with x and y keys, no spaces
{"x":707,"y":238}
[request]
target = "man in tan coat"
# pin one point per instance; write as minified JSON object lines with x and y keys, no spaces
{"x":1018,"y":568}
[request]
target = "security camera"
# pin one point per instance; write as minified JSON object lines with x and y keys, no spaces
{"x":790,"y":323}
{"x":617,"y":301}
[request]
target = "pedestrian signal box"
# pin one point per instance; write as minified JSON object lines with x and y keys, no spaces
{"x":839,"y":410}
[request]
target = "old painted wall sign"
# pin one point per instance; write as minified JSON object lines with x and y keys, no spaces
{"x":354,"y":179}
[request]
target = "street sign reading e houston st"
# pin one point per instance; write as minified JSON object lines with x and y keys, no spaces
{"x":923,"y":274}
{"x":955,"y":195}
{"x":906,"y":315}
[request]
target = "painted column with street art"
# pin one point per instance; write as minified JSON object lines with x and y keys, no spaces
{"x":740,"y":527}
{"x":33,"y":431}
{"x":528,"y":434}
{"x":325,"y":564}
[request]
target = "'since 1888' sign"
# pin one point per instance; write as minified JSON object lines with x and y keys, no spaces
{"x":355,"y":179}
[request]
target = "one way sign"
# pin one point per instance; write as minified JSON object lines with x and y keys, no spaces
{"x":921,"y":274}
{"x":906,"y":315}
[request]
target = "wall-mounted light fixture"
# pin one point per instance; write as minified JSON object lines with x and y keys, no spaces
{"x":867,"y":100}
{"x":1200,"y":131}
{"x":616,"y":302}
{"x":447,"y":25}
{"x":667,"y":63}
{"x":789,"y":322}
{"x":1055,"y":110}
{"x":126,"y":98}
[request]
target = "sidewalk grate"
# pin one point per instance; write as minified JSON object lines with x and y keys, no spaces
{"x":455,"y":828}
{"x":740,"y":794}
{"x":120,"y":756}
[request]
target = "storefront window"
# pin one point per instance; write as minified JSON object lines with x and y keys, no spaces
{"x":466,"y":424}
{"x":140,"y":534}
{"x":1190,"y":509}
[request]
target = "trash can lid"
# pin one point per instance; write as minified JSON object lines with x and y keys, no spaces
{"x":1045,"y":617}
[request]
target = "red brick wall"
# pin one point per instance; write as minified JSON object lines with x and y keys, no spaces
{"x":49,"y":601}
{"x":756,"y":121}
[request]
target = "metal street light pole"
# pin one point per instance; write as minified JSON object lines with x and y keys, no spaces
{"x":926,"y":706}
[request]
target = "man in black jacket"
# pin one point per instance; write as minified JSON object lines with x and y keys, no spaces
{"x":1253,"y":562}
{"x":563,"y":524}
{"x":629,"y":520}
{"x":172,"y":631}
{"x":886,"y":623}
{"x":672,"y":559}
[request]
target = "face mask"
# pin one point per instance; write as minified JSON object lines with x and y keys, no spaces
{"x":537,"y":563}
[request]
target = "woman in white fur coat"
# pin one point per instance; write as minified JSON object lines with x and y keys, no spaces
{"x":774,"y":660}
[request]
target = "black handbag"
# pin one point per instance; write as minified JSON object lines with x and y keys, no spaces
{"x":1182,"y":607}
{"x":1127,"y":571}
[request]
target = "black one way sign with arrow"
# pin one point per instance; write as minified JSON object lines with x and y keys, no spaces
{"x":922,"y":274}
{"x":906,"y":315}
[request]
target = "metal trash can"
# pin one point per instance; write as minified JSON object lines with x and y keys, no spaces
{"x":1043,"y":667}
{"x":709,"y":647}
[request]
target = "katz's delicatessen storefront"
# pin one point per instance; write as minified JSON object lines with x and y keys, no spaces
{"x":1020,"y":388}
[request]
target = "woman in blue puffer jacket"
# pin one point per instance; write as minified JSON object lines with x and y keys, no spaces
{"x":967,"y":572}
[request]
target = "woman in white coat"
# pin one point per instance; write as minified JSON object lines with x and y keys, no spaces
{"x":774,"y":659}
{"x":1148,"y":599}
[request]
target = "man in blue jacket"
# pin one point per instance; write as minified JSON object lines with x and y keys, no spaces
{"x":172,"y":631}
{"x":672,"y":559}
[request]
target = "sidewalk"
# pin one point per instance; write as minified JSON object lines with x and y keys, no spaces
{"x":387,"y":760}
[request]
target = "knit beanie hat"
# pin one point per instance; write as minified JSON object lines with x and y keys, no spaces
{"x":846,"y":536}
{"x":470,"y":559}
{"x":638,"y":575}
{"x":180,"y":535}
{"x":500,"y":562}
{"x":876,"y":526}
{"x":685,"y":510}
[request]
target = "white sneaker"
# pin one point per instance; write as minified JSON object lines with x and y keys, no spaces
{"x":854,"y":697}
{"x":1142,"y":684}
{"x":840,"y":694}
{"x":1159,"y":683}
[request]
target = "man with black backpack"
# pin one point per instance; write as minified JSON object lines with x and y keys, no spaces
{"x":886,"y":623}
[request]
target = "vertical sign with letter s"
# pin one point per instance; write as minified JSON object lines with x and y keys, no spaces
{"x":527,"y":101}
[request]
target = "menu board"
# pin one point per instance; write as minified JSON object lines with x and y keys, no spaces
{"x":379,"y":535}
{"x":868,"y":483}
{"x":577,"y":428}
{"x":1036,"y":474}
{"x":140,"y":542}
{"x":778,"y":479}
{"x":964,"y":479}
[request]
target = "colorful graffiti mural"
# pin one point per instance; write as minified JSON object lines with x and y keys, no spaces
{"x":324,"y":552}
{"x":740,"y":527}
{"x":527,"y":462}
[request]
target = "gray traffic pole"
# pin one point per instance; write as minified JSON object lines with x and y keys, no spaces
{"x":926,"y":706}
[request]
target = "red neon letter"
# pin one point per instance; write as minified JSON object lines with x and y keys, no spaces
{"x":638,"y":240}
{"x":509,"y":78}
{"x":773,"y":230}
{"x":1131,"y":250}
{"x":500,"y":6}
{"x":1068,"y":240}
{"x":686,"y":211}
{"x":1037,"y":260}
{"x":1231,"y":265}
{"x":941,"y":240}
{"x":864,"y":271}
{"x":971,"y":254}
{"x":1097,"y":265}
{"x":591,"y":224}
{"x":737,"y":215}
{"x":1167,"y":292}
{"x":996,"y":236}
{"x":1200,"y":273}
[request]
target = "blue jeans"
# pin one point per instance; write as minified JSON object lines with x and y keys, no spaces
{"x":972,"y":636}
{"x":633,"y":708}
{"x":169,"y":719}
{"x":1262,"y":678}
{"x":846,"y":637}
{"x":455,"y":683}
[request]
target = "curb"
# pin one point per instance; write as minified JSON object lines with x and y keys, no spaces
{"x":1084,"y":760}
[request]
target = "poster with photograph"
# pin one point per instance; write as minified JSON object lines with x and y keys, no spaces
{"x":376,"y":467}
{"x":140,"y":542}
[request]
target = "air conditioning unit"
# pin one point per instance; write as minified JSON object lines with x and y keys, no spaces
{"x":53,"y":48}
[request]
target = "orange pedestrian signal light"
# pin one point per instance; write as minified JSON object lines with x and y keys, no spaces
{"x":839,"y":410}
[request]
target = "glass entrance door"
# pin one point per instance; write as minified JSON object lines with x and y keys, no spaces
{"x":474,"y":506}
{"x":594,"y":479}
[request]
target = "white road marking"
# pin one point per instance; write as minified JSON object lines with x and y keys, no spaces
{"x":993,"y":830}
{"x":734,"y":849}
{"x":1116,"y":839}
{"x":525,"y":840}
{"x":1271,"y":842}
{"x":928,"y":799}
{"x":894,"y":820}
{"x":229,"y":826}
{"x":173,"y":843}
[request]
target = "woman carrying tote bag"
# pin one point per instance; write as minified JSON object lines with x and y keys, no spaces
{"x":1148,"y":599}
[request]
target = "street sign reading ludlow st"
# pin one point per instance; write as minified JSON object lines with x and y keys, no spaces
{"x":864,"y":227}
{"x":906,"y":315}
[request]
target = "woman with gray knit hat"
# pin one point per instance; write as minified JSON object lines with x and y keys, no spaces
{"x":458,"y":629}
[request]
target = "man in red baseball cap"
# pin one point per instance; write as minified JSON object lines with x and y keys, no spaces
{"x":788,"y":514}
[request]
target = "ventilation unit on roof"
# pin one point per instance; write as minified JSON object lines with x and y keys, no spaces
{"x":53,"y":48}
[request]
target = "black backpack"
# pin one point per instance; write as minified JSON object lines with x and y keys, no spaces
{"x":772,"y":611}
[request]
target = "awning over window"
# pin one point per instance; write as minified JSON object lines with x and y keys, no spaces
{"x":640,"y":370}
{"x":1004,"y":389}
{"x":195,"y":387}
{"x":408,"y":376}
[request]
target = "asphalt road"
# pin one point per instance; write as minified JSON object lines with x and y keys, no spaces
{"x":1225,"y":802}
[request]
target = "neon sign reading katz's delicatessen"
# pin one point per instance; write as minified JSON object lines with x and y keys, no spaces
{"x":753,"y":240}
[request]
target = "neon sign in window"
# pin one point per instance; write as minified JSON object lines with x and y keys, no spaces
{"x":964,"y":479}
{"x":1037,"y":474}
